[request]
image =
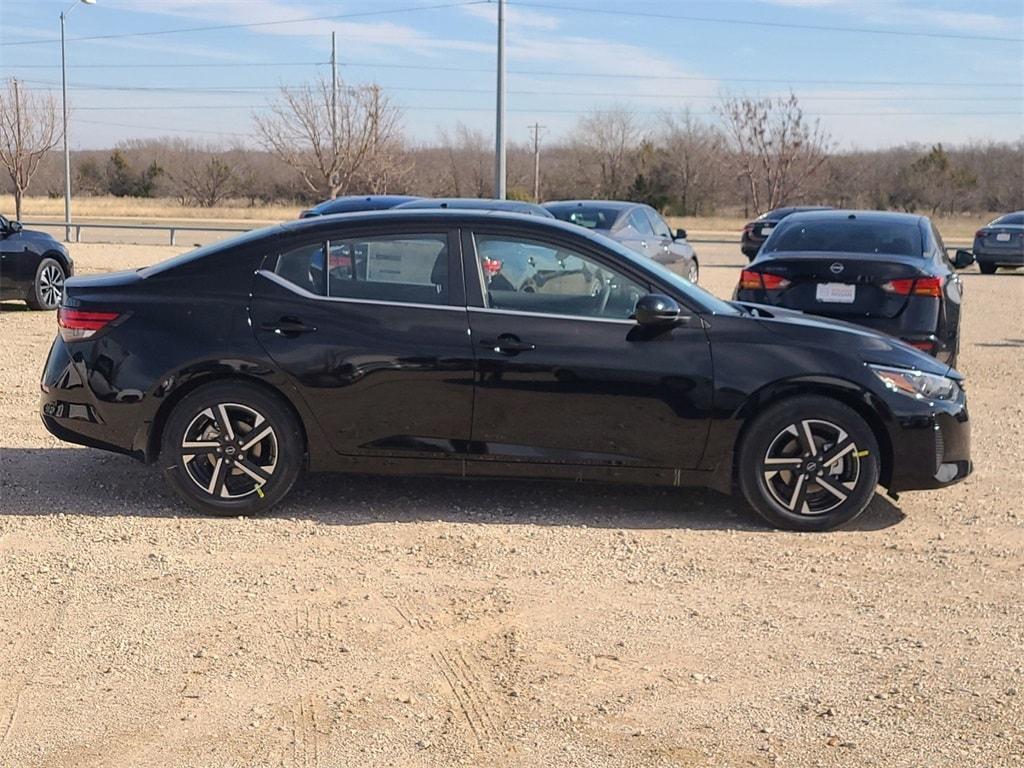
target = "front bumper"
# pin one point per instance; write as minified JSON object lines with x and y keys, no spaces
{"x":931,"y":443}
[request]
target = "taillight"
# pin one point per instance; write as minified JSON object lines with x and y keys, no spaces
{"x":981,"y":233}
{"x":924,"y":286}
{"x":924,"y":346}
{"x":77,"y":324}
{"x":748,"y":227}
{"x":761,"y":281}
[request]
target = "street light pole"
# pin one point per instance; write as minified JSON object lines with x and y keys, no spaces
{"x":499,"y":132}
{"x":64,"y":106}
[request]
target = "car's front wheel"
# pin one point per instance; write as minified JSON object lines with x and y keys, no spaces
{"x":231,"y":448}
{"x":48,"y":286}
{"x":808,"y":463}
{"x":693,"y":272}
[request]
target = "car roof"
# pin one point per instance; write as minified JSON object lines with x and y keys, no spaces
{"x":830,"y":215}
{"x":449,"y":217}
{"x":360,"y":202}
{"x":615,"y":205}
{"x":475,"y":203}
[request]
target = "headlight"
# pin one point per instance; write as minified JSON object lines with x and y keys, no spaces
{"x":925,"y":386}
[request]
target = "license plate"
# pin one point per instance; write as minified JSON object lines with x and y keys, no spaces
{"x":1003,"y":237}
{"x":836,"y":293}
{"x":766,"y":230}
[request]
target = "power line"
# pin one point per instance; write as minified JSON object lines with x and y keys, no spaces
{"x":544,"y":73}
{"x":249,"y":25}
{"x":762,"y":24}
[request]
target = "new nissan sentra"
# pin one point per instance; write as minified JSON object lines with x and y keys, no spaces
{"x":1000,"y":243}
{"x":239,"y":365}
{"x":887,"y":271}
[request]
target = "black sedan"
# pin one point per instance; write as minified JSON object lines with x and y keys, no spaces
{"x":757,"y":231}
{"x":887,"y":271}
{"x":637,"y":226}
{"x":356,"y":204}
{"x":33,"y":266}
{"x":240,"y":364}
{"x":1000,"y":243}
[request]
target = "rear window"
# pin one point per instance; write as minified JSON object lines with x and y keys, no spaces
{"x":1010,"y":218}
{"x":897,"y":238}
{"x":589,"y":216}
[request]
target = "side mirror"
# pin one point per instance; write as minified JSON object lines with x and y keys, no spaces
{"x":680,"y":234}
{"x":657,"y":309}
{"x":963,"y":259}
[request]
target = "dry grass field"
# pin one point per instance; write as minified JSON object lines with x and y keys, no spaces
{"x":410,"y":622}
{"x":958,"y":228}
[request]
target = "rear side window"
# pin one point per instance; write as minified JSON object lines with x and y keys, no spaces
{"x":639,"y":222}
{"x":896,"y":238}
{"x":404,"y":269}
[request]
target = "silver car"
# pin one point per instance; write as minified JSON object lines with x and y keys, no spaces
{"x":637,"y":226}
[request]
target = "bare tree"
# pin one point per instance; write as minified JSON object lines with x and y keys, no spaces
{"x":330,"y":148}
{"x":692,"y":158}
{"x":606,"y":144}
{"x":777,"y":151}
{"x":470,"y":156}
{"x":29,"y":129}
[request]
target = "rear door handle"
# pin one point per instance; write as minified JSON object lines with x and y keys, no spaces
{"x":288,"y":326}
{"x":507,"y":344}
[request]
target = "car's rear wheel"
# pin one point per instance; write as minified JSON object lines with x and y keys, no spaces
{"x":48,"y":287}
{"x":230,"y":448}
{"x":809,"y":463}
{"x":986,"y":269}
{"x":693,"y":273}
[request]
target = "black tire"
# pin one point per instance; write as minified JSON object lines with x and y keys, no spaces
{"x":48,"y":285}
{"x":222,"y":474}
{"x":986,"y":268}
{"x":832,"y":495}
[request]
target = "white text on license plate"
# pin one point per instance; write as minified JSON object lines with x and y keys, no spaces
{"x":836,"y":293}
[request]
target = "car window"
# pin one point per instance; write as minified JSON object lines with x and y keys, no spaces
{"x":639,"y":222}
{"x":532,"y":276}
{"x":400,"y":268}
{"x":897,"y":238}
{"x":941,"y":246}
{"x":661,"y":229}
{"x":589,"y":216}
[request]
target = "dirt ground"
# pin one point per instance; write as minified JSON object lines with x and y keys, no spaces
{"x":374,"y":622}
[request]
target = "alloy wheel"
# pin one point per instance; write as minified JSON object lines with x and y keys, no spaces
{"x":51,"y":285}
{"x":693,"y":272}
{"x":230,"y":451}
{"x":811,"y":467}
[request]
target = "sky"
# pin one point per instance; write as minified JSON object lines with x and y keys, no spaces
{"x":874,"y":72}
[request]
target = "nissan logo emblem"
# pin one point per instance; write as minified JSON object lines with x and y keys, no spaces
{"x":836,"y":268}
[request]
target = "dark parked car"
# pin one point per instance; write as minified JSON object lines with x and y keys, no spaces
{"x":757,"y":231}
{"x":356,"y":204}
{"x":1000,"y":243}
{"x":242,"y":363}
{"x":477,"y":204}
{"x":638,"y":227}
{"x":33,"y":266}
{"x":887,"y":271}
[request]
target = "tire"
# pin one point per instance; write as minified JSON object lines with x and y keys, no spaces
{"x":811,"y":496}
{"x":48,"y":285}
{"x":693,"y":274}
{"x":986,"y":268}
{"x":212,"y":477}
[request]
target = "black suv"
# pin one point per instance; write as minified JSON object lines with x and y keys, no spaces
{"x":33,"y":266}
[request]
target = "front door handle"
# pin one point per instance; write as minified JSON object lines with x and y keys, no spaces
{"x":288,"y":326}
{"x":507,"y":344}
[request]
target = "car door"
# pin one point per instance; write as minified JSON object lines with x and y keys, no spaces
{"x":564,"y":375}
{"x":637,"y":233}
{"x":663,"y":248}
{"x":17,"y":269}
{"x":372,"y":328}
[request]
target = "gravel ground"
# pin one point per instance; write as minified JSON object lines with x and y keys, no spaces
{"x":435,"y":623}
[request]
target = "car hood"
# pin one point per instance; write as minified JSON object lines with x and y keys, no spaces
{"x":42,"y":238}
{"x":871,"y":346}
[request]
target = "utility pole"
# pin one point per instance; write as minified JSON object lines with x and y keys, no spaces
{"x":499,"y":132}
{"x":536,"y":161}
{"x":64,"y":103}
{"x":334,"y":106}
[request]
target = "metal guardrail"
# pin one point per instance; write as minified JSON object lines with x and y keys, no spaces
{"x":173,"y":230}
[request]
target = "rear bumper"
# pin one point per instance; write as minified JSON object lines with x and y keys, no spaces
{"x":931,"y":444}
{"x":1000,"y":258}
